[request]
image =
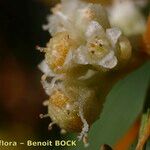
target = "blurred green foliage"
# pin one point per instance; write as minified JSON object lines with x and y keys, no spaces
{"x":123,"y":105}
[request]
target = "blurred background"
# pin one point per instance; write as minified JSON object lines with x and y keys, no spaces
{"x":21,"y":93}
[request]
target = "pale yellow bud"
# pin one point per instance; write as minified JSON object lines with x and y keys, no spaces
{"x":125,"y":49}
{"x":57,"y":50}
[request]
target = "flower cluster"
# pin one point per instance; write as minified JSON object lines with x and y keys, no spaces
{"x":83,"y":44}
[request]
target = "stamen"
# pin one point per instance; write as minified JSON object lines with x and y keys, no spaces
{"x":45,"y":103}
{"x":43,"y":116}
{"x":63,"y":131}
{"x":50,"y":126}
{"x":41,"y":49}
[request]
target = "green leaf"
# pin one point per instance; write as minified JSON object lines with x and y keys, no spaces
{"x":148,"y":145}
{"x":121,"y":109}
{"x":123,"y":105}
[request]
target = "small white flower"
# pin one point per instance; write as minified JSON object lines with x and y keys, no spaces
{"x":95,"y":42}
{"x":101,"y":47}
